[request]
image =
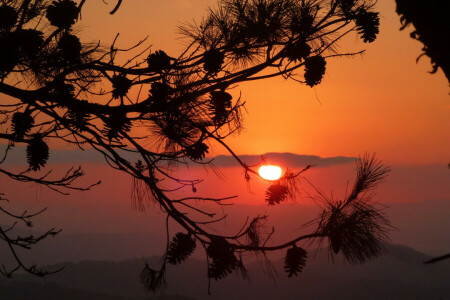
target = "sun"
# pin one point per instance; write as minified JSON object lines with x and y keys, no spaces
{"x":270,"y":172}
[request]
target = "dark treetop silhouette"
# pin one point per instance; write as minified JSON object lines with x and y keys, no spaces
{"x":431,"y":25}
{"x":58,"y":88}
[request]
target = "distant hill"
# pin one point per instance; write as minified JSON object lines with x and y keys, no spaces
{"x":399,"y":274}
{"x":27,"y":290}
{"x":423,"y":226}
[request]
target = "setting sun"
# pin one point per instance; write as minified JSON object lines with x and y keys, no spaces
{"x":270,"y":172}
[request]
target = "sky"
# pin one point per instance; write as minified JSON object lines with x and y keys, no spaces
{"x":381,"y":102}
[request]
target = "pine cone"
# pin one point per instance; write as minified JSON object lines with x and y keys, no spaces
{"x":223,"y":260}
{"x":314,"y":70}
{"x":21,"y":123}
{"x":367,"y":24}
{"x":181,"y":247}
{"x":220,"y":105}
{"x":297,"y":51}
{"x":213,"y":60}
{"x":295,"y":260}
{"x":197,"y":151}
{"x":62,"y":14}
{"x":121,"y":85}
{"x":79,"y":119}
{"x":276,"y":193}
{"x":158,"y":61}
{"x":116,"y":124}
{"x":37,"y":153}
{"x":69,"y":47}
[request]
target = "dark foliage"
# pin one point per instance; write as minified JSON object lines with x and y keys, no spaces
{"x":28,"y":41}
{"x":37,"y":153}
{"x":302,"y":20}
{"x":314,"y":70}
{"x":181,"y":247}
{"x":356,"y":226}
{"x":159,"y":96}
{"x":347,"y":6}
{"x":63,"y":91}
{"x":8,"y":17}
{"x":9,"y":53}
{"x":431,"y":28}
{"x":295,"y":260}
{"x":153,"y":280}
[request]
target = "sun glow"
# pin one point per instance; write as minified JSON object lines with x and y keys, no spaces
{"x":270,"y":172}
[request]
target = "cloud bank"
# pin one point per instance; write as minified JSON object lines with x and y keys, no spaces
{"x":17,"y":155}
{"x":286,"y":159}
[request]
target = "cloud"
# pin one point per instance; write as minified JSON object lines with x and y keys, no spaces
{"x":286,"y":159}
{"x":17,"y":155}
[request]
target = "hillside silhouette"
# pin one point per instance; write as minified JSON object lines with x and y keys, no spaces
{"x":399,"y":274}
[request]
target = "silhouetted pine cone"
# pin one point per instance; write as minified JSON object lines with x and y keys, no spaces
{"x":160,"y":92}
{"x":213,"y":60}
{"x":37,"y":153}
{"x":220,"y":106}
{"x":276,"y":193}
{"x":69,"y":47}
{"x":367,"y":24}
{"x":21,"y":123}
{"x":29,"y":41}
{"x":62,"y":13}
{"x":223,"y":260}
{"x":197,"y":151}
{"x":181,"y":247}
{"x":63,"y":90}
{"x":115,"y":124}
{"x":8,"y":17}
{"x":298,"y":51}
{"x":158,"y":61}
{"x":295,"y":260}
{"x":79,"y":119}
{"x":121,"y":85}
{"x":314,"y":70}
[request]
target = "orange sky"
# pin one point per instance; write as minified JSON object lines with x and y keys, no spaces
{"x":383,"y":102}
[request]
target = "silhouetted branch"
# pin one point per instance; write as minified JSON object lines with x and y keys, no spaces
{"x":24,"y":242}
{"x":95,"y":96}
{"x":437,"y":259}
